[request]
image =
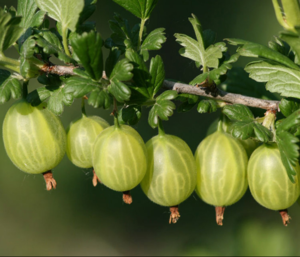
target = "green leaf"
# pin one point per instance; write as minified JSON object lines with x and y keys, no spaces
{"x":52,"y":45}
{"x":287,"y":107}
{"x":10,"y":87}
{"x":287,"y":144}
{"x":249,"y":49}
{"x":238,"y":82}
{"x":294,"y":42}
{"x":81,"y":86}
{"x":55,"y":91}
{"x":167,"y":95}
{"x":250,"y":129}
{"x":120,"y":90}
{"x":121,"y":32}
{"x":207,"y":106}
{"x":153,"y":41}
{"x":293,"y":120}
{"x":130,"y":115}
{"x":88,"y":10}
{"x":30,"y":18}
{"x":88,"y":48}
{"x":100,"y":98}
{"x":122,"y":71}
{"x":282,"y":47}
{"x":238,"y":112}
{"x":140,"y":72}
{"x":185,"y":107}
{"x":29,"y":65}
{"x":66,"y":12}
{"x":157,"y":73}
{"x":162,"y":109}
{"x":280,"y":79}
{"x":112,"y":59}
{"x":140,"y":8}
{"x":10,"y":30}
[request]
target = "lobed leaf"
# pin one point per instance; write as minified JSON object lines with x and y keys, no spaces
{"x":207,"y":106}
{"x":130,"y":114}
{"x":100,"y":98}
{"x":67,"y":12}
{"x":250,"y":49}
{"x":10,"y":30}
{"x":112,"y":59}
{"x":294,"y":42}
{"x":153,"y":41}
{"x":157,"y":73}
{"x":238,"y":112}
{"x":10,"y":87}
{"x":122,"y":71}
{"x":293,"y":120}
{"x":140,"y":8}
{"x":287,"y":107}
{"x":88,"y":48}
{"x":120,"y":90}
{"x":287,"y":144}
{"x":280,"y":79}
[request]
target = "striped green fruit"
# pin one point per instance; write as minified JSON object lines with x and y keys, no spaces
{"x":119,"y":158}
{"x":268,"y":180}
{"x":34,"y":138}
{"x":221,"y":164}
{"x":171,"y":174}
{"x":81,"y":137}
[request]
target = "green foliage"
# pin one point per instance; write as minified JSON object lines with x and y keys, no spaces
{"x":153,"y":41}
{"x":10,"y":30}
{"x":88,"y":48}
{"x":10,"y":87}
{"x":287,"y":107}
{"x":250,"y":49}
{"x":207,"y":106}
{"x":140,"y":8}
{"x":246,"y":126}
{"x":163,"y":108}
{"x":130,"y":114}
{"x":66,"y":12}
{"x":280,"y":79}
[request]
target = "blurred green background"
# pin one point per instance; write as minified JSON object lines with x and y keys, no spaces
{"x":78,"y":219}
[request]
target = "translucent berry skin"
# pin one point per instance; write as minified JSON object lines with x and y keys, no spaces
{"x":268,"y":181}
{"x":81,"y":137}
{"x":171,"y":174}
{"x":119,"y":158}
{"x":34,"y":138}
{"x":221,"y":163}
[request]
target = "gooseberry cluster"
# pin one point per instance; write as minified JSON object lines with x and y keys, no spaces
{"x":243,"y":149}
{"x":164,"y":167}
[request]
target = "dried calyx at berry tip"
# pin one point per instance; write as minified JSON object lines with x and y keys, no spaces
{"x":50,"y":181}
{"x":95,"y":179}
{"x":174,"y":216}
{"x":285,"y":217}
{"x":127,"y":198}
{"x":220,"y":215}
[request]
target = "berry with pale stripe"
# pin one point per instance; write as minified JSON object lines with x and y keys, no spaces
{"x":171,"y":174}
{"x":119,"y":158}
{"x":268,"y":180}
{"x":81,"y":137}
{"x":221,"y":163}
{"x":34,"y":139}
